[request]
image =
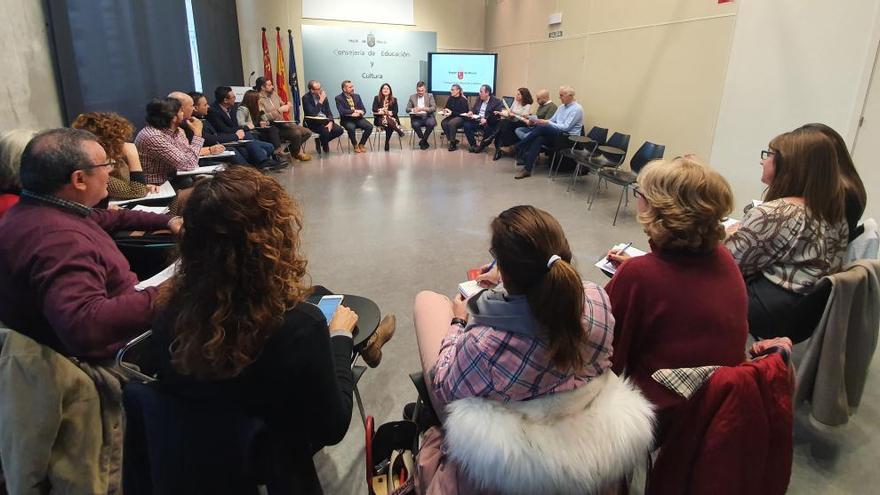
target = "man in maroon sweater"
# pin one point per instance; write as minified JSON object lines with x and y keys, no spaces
{"x":63,"y":281}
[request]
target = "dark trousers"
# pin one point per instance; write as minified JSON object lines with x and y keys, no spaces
{"x":506,"y":135}
{"x":392,"y":127}
{"x":418,"y":122}
{"x":326,"y":135}
{"x":361,"y":123}
{"x":529,"y":148}
{"x":471,"y":126}
{"x":771,"y":308}
{"x":269,"y":134}
{"x":451,"y":125}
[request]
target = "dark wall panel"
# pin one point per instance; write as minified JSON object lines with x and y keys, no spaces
{"x":216,"y":24}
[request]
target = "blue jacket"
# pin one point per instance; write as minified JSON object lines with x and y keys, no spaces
{"x":345,"y":109}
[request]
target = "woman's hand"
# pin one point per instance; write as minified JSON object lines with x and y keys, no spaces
{"x":617,"y":258}
{"x":152,"y":189}
{"x":490,"y":277}
{"x":459,"y":307}
{"x":344,"y":320}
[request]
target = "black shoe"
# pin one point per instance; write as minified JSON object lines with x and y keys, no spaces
{"x":400,"y":132}
{"x":497,"y":155}
{"x":451,"y":147}
{"x":473,"y":149}
{"x":424,"y":145}
{"x":326,"y":148}
{"x":387,"y":146}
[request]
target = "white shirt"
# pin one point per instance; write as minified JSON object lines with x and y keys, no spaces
{"x":483,"y":109}
{"x":420,"y":102}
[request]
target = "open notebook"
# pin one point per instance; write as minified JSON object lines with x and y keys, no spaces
{"x":165,"y":191}
{"x":611,"y":268}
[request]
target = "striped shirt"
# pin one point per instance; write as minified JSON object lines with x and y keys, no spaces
{"x":163,"y":151}
{"x":500,"y":365}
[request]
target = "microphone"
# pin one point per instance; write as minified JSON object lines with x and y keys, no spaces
{"x":250,"y":76}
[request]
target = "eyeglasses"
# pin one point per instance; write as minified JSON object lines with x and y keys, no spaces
{"x":109,"y":164}
{"x":767,"y":153}
{"x":638,"y":193}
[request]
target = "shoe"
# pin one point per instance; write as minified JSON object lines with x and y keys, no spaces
{"x":358,"y":148}
{"x":326,"y":148}
{"x":497,"y":155}
{"x":424,"y":145}
{"x":387,"y":147}
{"x":473,"y":149}
{"x":372,"y":352}
{"x":451,"y":147}
{"x":400,"y":132}
{"x":303,"y":157}
{"x":507,"y":150}
{"x":482,"y":147}
{"x":522,"y":175}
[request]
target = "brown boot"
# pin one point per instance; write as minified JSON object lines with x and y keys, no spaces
{"x":372,"y":352}
{"x":303,"y":157}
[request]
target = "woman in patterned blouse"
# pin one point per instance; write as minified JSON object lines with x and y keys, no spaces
{"x":797,"y":235}
{"x":543,"y":331}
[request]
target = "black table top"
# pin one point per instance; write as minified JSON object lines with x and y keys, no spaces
{"x":368,"y":316}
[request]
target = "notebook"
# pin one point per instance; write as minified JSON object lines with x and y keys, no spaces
{"x":611,"y":268}
{"x":207,"y":169}
{"x":469,"y":289}
{"x":165,"y":191}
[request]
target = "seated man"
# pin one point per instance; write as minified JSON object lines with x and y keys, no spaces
{"x":318,"y":116}
{"x":351,"y":116}
{"x":421,"y":108}
{"x":546,"y":109}
{"x":63,"y":281}
{"x":273,"y":110}
{"x":222,"y":117}
{"x":162,"y":145}
{"x":568,"y":119}
{"x":482,"y":116}
{"x":255,"y":153}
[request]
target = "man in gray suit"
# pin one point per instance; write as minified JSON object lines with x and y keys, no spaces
{"x":421,"y":108}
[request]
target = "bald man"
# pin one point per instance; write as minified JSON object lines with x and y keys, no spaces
{"x":187,"y":106}
{"x":546,"y":109}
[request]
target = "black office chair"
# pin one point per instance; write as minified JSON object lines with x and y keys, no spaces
{"x":595,"y":138}
{"x":624,"y":178}
{"x":610,"y":154}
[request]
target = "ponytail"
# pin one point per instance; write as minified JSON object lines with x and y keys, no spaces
{"x":557,"y":303}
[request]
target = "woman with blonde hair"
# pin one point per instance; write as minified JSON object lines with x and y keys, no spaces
{"x":114,"y":132}
{"x":233,"y":328}
{"x":12,"y":144}
{"x":684,"y":304}
{"x":797,"y":235}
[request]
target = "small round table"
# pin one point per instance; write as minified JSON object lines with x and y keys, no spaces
{"x":611,"y":150}
{"x":368,"y":317}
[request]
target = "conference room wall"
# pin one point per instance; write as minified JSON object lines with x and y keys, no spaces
{"x":651,"y":68}
{"x":30,"y":92}
{"x":459,"y":24}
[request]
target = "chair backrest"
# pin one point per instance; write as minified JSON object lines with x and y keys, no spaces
{"x":646,"y":153}
{"x":175,"y":446}
{"x":598,"y":134}
{"x":619,"y":140}
{"x":137,"y":358}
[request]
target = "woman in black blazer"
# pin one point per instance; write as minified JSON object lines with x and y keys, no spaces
{"x":385,"y":113}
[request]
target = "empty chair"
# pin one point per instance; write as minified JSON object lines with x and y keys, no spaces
{"x":610,"y":154}
{"x":626,"y":179}
{"x":595,"y":138}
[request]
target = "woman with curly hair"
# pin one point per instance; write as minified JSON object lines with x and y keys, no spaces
{"x":232,"y":325}
{"x":114,"y":132}
{"x":684,"y":304}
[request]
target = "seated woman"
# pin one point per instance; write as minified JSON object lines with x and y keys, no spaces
{"x":251,"y":116}
{"x":856,"y":196}
{"x":385,"y":113}
{"x":12,"y":144}
{"x":684,"y":304}
{"x":456,"y":105}
{"x":797,"y":235}
{"x":245,"y":337}
{"x":516,"y":117}
{"x":531,"y":358}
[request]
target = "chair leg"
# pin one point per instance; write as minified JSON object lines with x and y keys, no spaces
{"x":622,"y":191}
{"x":574,"y":176}
{"x":357,"y":396}
{"x":595,"y":192}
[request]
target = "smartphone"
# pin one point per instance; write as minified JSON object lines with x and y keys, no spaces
{"x":328,"y":305}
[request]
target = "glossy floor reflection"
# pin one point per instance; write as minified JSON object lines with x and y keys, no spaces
{"x":389,"y":224}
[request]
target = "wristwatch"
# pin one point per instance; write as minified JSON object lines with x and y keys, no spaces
{"x":458,"y":321}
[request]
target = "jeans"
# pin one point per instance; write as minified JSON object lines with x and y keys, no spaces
{"x":428,"y":122}
{"x":361,"y":123}
{"x":529,"y":148}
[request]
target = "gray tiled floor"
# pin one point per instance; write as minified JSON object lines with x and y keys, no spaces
{"x":387,"y":225}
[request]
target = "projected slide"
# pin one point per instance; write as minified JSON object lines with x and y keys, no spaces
{"x":468,"y":70}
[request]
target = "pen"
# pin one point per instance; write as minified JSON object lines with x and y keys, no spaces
{"x":491,"y":266}
{"x":623,"y":249}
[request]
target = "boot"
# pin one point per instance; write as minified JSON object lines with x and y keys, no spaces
{"x":372,"y":352}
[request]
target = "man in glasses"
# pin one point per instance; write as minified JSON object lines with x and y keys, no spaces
{"x":63,"y":281}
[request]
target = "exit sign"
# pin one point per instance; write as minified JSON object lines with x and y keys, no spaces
{"x":555,"y":34}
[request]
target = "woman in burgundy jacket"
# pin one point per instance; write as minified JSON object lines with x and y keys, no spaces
{"x":683,"y":305}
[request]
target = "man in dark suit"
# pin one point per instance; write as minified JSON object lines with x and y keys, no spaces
{"x":351,"y":116}
{"x":221,"y":116}
{"x":482,"y":116}
{"x":256,"y":153}
{"x":316,"y":106}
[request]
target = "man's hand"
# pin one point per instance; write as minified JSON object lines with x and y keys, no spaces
{"x":250,"y":125}
{"x":196,"y":125}
{"x":483,"y":121}
{"x":239,"y":134}
{"x":329,"y":126}
{"x":285,"y":107}
{"x":322,"y":97}
{"x":264,"y":124}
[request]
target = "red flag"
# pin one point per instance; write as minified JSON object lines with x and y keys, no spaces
{"x":281,"y":73}
{"x":267,"y":62}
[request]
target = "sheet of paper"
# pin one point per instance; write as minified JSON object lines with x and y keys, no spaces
{"x":158,"y":278}
{"x":165,"y":191}
{"x":609,"y":267}
{"x":469,"y":288}
{"x":207,"y":169}
{"x":727,"y":222}
{"x":162,"y":210}
{"x":217,"y":155}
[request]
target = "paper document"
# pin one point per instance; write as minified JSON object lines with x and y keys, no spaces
{"x":469,"y":288}
{"x":165,"y":191}
{"x":240,"y":142}
{"x":162,"y":210}
{"x":217,"y":155}
{"x":207,"y":169}
{"x":608,"y":267}
{"x":727,"y":222}
{"x":158,"y":278}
